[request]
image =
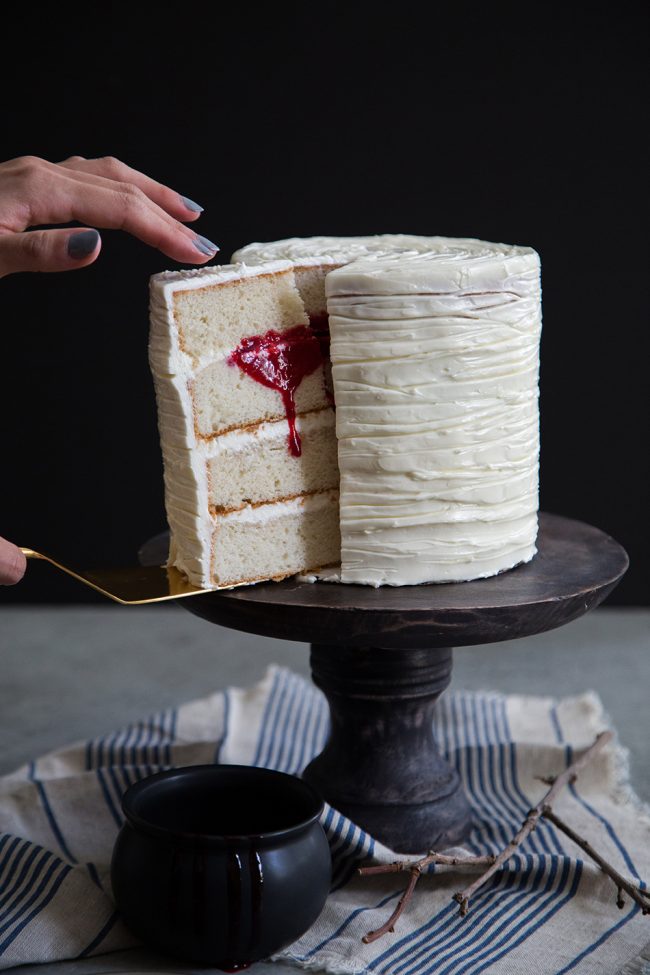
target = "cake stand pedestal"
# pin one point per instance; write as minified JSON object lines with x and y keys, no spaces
{"x":383,"y":656}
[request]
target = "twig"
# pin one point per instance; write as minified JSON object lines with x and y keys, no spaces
{"x":569,"y":775}
{"x":397,"y":866}
{"x":415,"y":867}
{"x":542,"y":809}
{"x":401,"y":904}
{"x":638,"y":894}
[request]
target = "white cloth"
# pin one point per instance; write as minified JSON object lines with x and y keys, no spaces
{"x":550,"y":911}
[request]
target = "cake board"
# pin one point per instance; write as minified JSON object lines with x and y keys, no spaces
{"x":382,"y":657}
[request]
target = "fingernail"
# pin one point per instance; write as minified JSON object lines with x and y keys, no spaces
{"x":204,"y":245}
{"x":191,"y":205}
{"x":82,"y":244}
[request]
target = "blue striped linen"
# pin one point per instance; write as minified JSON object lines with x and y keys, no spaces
{"x":548,"y":911}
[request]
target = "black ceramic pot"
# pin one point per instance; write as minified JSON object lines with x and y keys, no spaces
{"x":221,"y":864}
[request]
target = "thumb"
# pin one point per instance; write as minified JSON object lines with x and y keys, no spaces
{"x":12,"y":563}
{"x":48,"y":250}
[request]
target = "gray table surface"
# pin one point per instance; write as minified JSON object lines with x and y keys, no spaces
{"x":75,"y":672}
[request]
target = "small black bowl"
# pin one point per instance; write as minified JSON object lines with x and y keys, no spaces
{"x":221,"y":864}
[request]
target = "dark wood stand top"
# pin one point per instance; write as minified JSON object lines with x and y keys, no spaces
{"x":575,"y":569}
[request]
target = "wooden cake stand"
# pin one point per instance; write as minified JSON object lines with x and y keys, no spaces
{"x":383,"y":656}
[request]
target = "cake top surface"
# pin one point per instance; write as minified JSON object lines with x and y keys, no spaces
{"x":314,"y":251}
{"x":320,"y":250}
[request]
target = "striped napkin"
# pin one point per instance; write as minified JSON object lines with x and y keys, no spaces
{"x":549,"y":911}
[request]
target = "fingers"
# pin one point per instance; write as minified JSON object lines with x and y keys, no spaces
{"x":33,"y":191}
{"x":12,"y":563}
{"x":108,"y":167}
{"x":123,"y":206}
{"x":48,"y":250}
{"x":133,"y":191}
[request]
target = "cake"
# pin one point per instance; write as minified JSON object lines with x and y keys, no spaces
{"x":434,"y":352}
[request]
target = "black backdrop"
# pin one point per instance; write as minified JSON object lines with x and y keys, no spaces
{"x":297,"y":119}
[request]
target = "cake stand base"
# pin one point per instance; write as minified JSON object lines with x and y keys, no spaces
{"x":381,"y":765}
{"x":383,"y":658}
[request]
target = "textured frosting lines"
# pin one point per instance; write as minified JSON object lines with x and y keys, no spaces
{"x":437,"y":415}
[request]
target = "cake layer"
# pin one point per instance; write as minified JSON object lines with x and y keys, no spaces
{"x":254,"y":466}
{"x":213,"y":309}
{"x":225,"y":398}
{"x":276,"y":540}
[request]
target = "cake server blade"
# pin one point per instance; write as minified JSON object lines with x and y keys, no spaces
{"x":132,"y":586}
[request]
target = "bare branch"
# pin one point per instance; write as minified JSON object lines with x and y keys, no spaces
{"x":542,"y":809}
{"x":401,"y":904}
{"x":415,"y":867}
{"x":638,"y":894}
{"x":570,"y":774}
{"x":443,"y":859}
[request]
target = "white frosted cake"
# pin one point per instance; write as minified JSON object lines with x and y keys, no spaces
{"x":435,"y":353}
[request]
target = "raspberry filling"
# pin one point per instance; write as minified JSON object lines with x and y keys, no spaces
{"x":280,"y":361}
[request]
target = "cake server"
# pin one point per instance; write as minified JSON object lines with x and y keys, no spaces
{"x":131,"y":586}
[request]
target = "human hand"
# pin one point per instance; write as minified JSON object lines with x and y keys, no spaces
{"x":12,"y":563}
{"x":100,"y":192}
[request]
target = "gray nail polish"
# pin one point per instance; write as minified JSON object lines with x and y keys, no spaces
{"x":191,"y":205}
{"x":204,"y":245}
{"x":82,"y":244}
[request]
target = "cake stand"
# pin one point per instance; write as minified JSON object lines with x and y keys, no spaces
{"x":382,"y":657}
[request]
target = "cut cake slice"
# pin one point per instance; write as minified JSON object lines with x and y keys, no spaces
{"x":246,"y":425}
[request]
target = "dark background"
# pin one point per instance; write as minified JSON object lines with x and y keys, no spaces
{"x":498,"y":121}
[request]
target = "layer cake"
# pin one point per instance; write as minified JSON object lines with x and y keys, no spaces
{"x":434,"y":353}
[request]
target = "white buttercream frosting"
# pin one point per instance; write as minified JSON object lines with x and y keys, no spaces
{"x":312,"y":251}
{"x":185,"y":279}
{"x":235,"y":441}
{"x":435,"y":370}
{"x":260,"y":514}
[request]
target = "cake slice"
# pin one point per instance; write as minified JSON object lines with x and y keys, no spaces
{"x":246,"y":425}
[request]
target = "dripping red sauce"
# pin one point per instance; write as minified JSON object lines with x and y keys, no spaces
{"x":280,"y":361}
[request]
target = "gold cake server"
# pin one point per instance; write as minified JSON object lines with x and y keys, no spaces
{"x":132,"y":586}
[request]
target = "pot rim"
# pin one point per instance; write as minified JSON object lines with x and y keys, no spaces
{"x":217,"y":839}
